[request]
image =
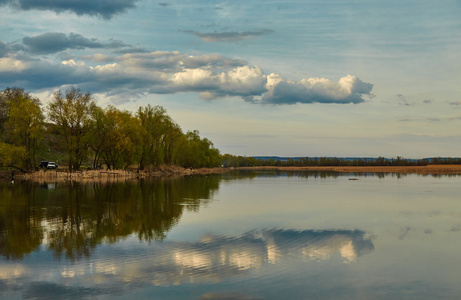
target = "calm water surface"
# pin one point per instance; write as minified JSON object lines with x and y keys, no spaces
{"x":256,"y":235}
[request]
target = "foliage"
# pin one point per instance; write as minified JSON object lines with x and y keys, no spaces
{"x":21,"y":123}
{"x":80,"y":132}
{"x":199,"y":153}
{"x":161,"y":137}
{"x":71,"y":112}
{"x":241,"y":161}
{"x":123,"y":141}
{"x":12,"y":156}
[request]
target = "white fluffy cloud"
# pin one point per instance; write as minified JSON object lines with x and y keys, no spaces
{"x":210,"y":75}
{"x":348,"y":89}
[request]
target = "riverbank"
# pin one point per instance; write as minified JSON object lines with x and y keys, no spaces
{"x":108,"y":175}
{"x":165,"y":172}
{"x":429,"y":169}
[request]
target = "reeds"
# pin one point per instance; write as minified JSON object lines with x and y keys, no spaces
{"x":114,"y":175}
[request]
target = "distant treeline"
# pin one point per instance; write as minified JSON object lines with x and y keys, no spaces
{"x":74,"y":132}
{"x":243,"y":161}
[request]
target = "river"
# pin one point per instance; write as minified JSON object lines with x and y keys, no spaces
{"x":241,"y":235}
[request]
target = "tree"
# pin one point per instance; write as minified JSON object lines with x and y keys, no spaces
{"x":199,"y":152}
{"x":5,"y":98}
{"x":99,"y":133}
{"x":71,"y":112}
{"x":21,"y":122}
{"x":11,"y":156}
{"x":162,"y":137}
{"x":123,"y":139}
{"x":25,"y":124}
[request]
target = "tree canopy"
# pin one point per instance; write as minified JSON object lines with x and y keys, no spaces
{"x":86,"y":134}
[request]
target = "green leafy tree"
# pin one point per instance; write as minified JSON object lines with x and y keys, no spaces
{"x":71,"y":112}
{"x":200,"y":152}
{"x":99,"y":133}
{"x":123,"y":144}
{"x":25,"y":123}
{"x":162,"y":137}
{"x":12,"y":156}
{"x":21,"y":120}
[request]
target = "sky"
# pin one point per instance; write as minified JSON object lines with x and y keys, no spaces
{"x":360,"y":78}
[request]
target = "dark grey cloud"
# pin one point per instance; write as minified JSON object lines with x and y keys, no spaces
{"x":101,"y":8}
{"x":4,"y":49}
{"x":52,"y":42}
{"x":10,"y":48}
{"x":228,"y":36}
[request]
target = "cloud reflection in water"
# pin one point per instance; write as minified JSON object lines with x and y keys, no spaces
{"x":214,"y":258}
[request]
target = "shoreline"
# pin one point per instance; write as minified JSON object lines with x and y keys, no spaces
{"x":171,"y":172}
{"x":429,"y":169}
{"x":109,"y":175}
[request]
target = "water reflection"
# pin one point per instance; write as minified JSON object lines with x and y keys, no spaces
{"x":249,"y":174}
{"x":218,"y":255}
{"x":215,"y":258}
{"x":98,"y":240}
{"x":209,"y":260}
{"x":72,"y":218}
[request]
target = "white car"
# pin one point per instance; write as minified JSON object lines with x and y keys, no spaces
{"x":51,"y":165}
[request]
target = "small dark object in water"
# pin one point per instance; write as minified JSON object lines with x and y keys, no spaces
{"x":353,"y":179}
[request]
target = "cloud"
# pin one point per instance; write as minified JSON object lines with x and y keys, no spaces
{"x":163,"y":72}
{"x":8,"y":48}
{"x":101,"y":8}
{"x":229,"y":36}
{"x":403,"y":100}
{"x":52,"y":42}
{"x":4,"y":49}
{"x":348,"y":89}
{"x":430,"y":119}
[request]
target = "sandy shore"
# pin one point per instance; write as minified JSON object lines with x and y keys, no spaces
{"x":430,"y":169}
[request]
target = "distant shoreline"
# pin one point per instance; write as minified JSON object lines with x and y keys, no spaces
{"x":429,"y":169}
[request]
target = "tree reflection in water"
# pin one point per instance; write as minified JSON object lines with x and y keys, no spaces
{"x":71,"y":219}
